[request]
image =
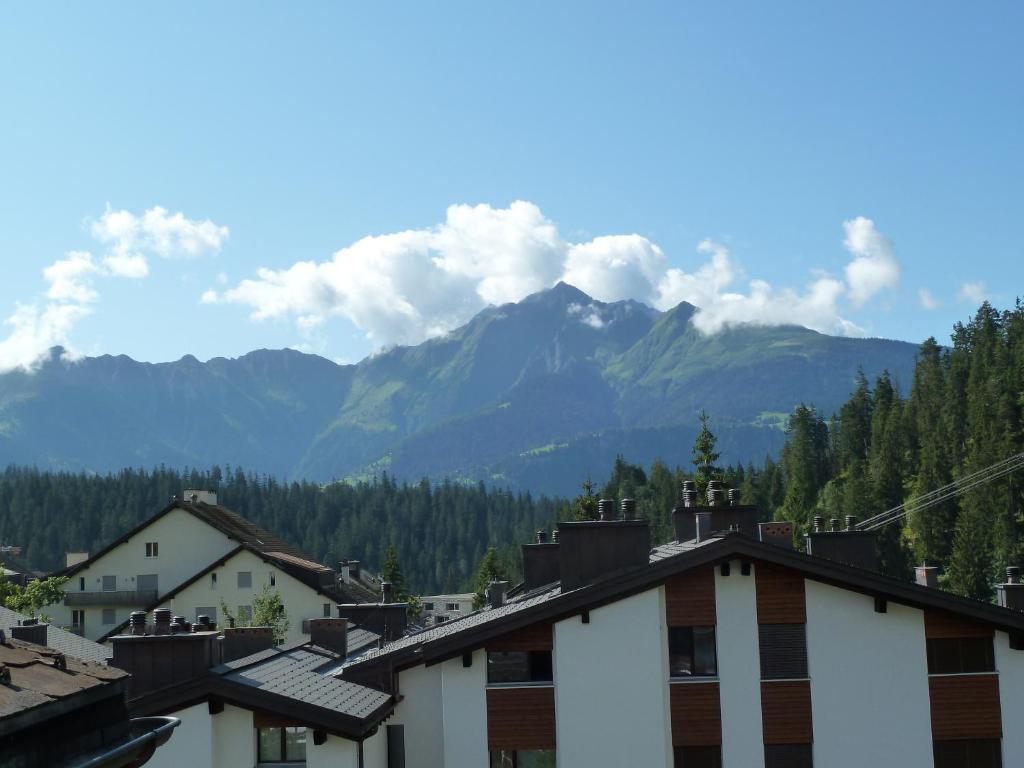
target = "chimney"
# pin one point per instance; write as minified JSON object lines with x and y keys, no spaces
{"x":157,"y":661}
{"x":733,"y":516}
{"x":162,"y":621}
{"x":778,"y":534}
{"x":496,"y":593}
{"x":1011,"y":593}
{"x":852,"y":547}
{"x":74,"y":558}
{"x":349,"y":571}
{"x":628,"y":507}
{"x":239,"y":642}
{"x":926,"y":575}
{"x":716,"y":494}
{"x":30,"y":631}
{"x":197,"y":496}
{"x":735,"y":494}
{"x":331,"y":634}
{"x":591,"y":549}
{"x":702,"y":525}
{"x":389,"y":620}
{"x":606,"y":509}
{"x":385,"y":592}
{"x":540,"y":562}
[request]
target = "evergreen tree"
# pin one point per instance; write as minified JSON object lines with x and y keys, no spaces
{"x":392,"y":572}
{"x":489,"y":570}
{"x":705,"y":457}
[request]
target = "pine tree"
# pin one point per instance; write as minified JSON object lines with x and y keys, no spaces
{"x":392,"y":572}
{"x":705,"y":457}
{"x":489,"y":570}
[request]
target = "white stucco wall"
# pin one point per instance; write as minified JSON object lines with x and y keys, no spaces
{"x":465,"y":711}
{"x":300,"y":601}
{"x":187,"y":545}
{"x":611,"y":686}
{"x":234,"y":738}
{"x":420,"y":711}
{"x":869,"y":681}
{"x":191,"y":743}
{"x":739,"y":668}
{"x":1010,"y":665}
{"x":375,"y":749}
{"x":336,"y":752}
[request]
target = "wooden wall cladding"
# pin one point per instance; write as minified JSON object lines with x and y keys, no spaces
{"x":536,"y":637}
{"x":696,"y":714}
{"x":786,"y":712}
{"x":780,"y":595}
{"x":690,"y":598}
{"x":941,"y":624}
{"x":965,"y":707}
{"x":521,"y":718}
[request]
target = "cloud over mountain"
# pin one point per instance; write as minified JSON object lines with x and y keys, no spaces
{"x":404,"y":287}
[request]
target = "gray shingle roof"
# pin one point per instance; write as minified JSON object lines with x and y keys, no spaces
{"x":293,"y":674}
{"x":61,"y":640}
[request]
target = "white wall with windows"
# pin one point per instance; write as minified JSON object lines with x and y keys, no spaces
{"x":869,"y":681}
{"x":421,"y":710}
{"x":1010,"y":665}
{"x":191,"y":743}
{"x":185,"y":545}
{"x":224,"y":583}
{"x":611,"y":685}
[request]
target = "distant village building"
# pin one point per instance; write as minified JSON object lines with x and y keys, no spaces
{"x":725,"y":647}
{"x":190,"y":557}
{"x":438,"y":609}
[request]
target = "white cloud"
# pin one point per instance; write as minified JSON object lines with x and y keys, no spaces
{"x":408,"y":286}
{"x":972,"y":293}
{"x":874,"y":268}
{"x":928,"y":301}
{"x":71,"y":281}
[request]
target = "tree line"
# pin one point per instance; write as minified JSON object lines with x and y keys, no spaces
{"x":962,"y":412}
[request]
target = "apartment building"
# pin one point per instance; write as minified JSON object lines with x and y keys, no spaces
{"x":438,"y":609}
{"x":191,"y":557}
{"x":726,"y":647}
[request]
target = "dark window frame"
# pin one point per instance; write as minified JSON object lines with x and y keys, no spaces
{"x":512,"y":757}
{"x":968,"y":753}
{"x":688,"y":649}
{"x":960,"y":655}
{"x":283,"y":743}
{"x":537,"y":667}
{"x":707,"y":756}
{"x":789,"y":755}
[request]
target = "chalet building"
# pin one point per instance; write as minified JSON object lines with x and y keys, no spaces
{"x":190,"y":557}
{"x":726,"y":647}
{"x":57,"y":710}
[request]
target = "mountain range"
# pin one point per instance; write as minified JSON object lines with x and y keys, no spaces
{"x":533,"y":395}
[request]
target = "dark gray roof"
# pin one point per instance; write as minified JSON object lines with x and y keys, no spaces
{"x":360,"y":639}
{"x":294,"y":674}
{"x":61,"y":640}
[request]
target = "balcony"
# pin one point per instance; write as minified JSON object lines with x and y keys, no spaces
{"x":138,"y":597}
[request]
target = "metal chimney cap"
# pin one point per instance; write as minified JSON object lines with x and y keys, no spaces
{"x":819,"y":524}
{"x":606,"y":509}
{"x":1012,"y":575}
{"x":851,"y":522}
{"x":542,"y":536}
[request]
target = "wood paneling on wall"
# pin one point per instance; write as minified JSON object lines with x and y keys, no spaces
{"x":780,"y":595}
{"x":521,"y":718}
{"x":690,"y":598}
{"x":786,"y":712}
{"x":965,"y":707}
{"x":696,"y":714}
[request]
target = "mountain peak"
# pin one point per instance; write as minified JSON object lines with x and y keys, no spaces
{"x":560,"y":293}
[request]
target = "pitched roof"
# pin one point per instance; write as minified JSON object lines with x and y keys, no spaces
{"x":285,"y":680}
{"x":61,"y":640}
{"x":45,"y":684}
{"x":549,"y":603}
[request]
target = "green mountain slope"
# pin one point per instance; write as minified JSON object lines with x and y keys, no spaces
{"x":534,"y":394}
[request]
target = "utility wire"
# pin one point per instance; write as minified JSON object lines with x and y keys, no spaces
{"x":945,"y":492}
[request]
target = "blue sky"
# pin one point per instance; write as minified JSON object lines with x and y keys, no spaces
{"x":848,"y":155}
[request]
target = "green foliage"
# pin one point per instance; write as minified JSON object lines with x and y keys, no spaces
{"x":34,"y":596}
{"x":268,"y":611}
{"x":392,"y":572}
{"x":489,"y":570}
{"x":705,"y":457}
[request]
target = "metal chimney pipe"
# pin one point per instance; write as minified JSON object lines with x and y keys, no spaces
{"x":542,"y":536}
{"x":606,"y":509}
{"x":735,"y":496}
{"x":833,"y":524}
{"x":385,"y":592}
{"x":1013,"y":575}
{"x":851,"y":522}
{"x":628,"y":507}
{"x":819,"y":524}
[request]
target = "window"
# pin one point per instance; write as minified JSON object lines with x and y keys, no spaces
{"x":110,"y":583}
{"x":523,"y":758}
{"x":440,"y":619}
{"x":698,"y":757}
{"x":788,"y":756}
{"x":451,"y":607}
{"x":152,"y":549}
{"x":327,"y":610}
{"x":146,"y":581}
{"x":213,"y":580}
{"x":282,"y":745}
{"x":211,"y":612}
{"x":78,"y":620}
{"x":968,"y":753}
{"x":245,"y":579}
{"x":783,"y":651}
{"x":109,"y":616}
{"x":691,"y":652}
{"x":428,"y":606}
{"x":81,"y":583}
{"x":956,"y":655}
{"x":245,"y":615}
{"x":273,"y":579}
{"x":519,"y":667}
